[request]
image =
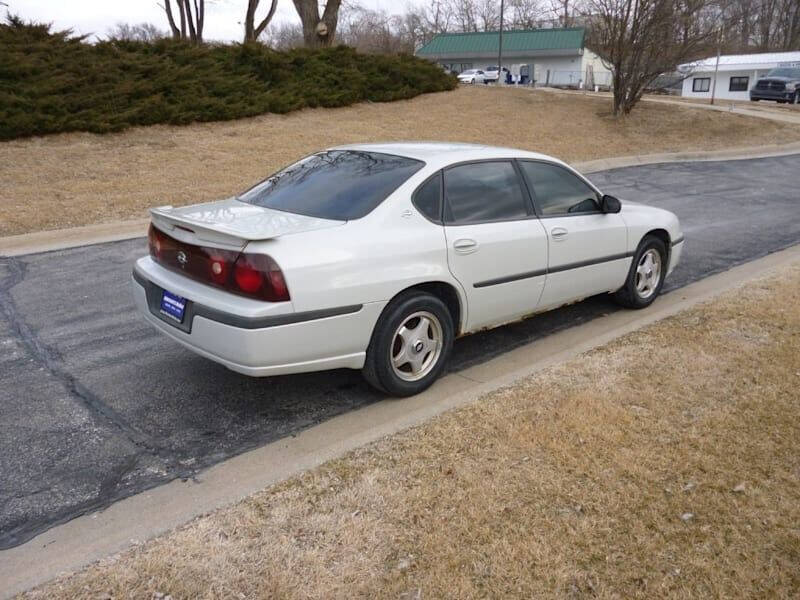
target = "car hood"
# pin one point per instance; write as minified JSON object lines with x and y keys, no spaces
{"x":233,"y":218}
{"x":779,"y":79}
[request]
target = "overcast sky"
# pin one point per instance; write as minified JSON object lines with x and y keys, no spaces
{"x":223,"y":17}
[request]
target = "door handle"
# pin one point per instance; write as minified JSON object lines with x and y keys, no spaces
{"x":558,"y":233}
{"x":465,"y":246}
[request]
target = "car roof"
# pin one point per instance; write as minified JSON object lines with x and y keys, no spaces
{"x":444,"y":153}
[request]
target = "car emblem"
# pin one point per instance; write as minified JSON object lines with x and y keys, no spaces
{"x":182,"y":257}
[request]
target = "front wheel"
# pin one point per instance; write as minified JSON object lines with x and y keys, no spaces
{"x":646,"y":275}
{"x":410,"y":345}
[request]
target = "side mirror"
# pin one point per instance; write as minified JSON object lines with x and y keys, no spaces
{"x":609,"y":204}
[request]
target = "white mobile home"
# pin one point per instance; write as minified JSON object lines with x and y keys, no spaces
{"x":735,"y":76}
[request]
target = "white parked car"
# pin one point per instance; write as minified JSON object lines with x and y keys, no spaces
{"x":472,"y":76}
{"x":491,"y":73}
{"x":378,"y":256}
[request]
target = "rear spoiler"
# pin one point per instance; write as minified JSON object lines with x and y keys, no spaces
{"x":180,"y":226}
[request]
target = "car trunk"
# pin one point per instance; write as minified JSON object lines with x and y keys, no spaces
{"x":231,"y":223}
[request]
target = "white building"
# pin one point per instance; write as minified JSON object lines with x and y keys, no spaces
{"x":736,"y":74}
{"x":552,"y":56}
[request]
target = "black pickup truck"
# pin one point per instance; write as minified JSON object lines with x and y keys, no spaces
{"x":781,"y":84}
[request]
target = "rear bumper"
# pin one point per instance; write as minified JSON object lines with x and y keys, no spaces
{"x":771,"y":95}
{"x":264,"y":346}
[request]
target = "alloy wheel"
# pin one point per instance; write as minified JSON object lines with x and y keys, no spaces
{"x":416,"y":346}
{"x":648,"y":273}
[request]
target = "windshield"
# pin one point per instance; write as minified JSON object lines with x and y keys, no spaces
{"x":336,"y":184}
{"x":785,"y":72}
{"x":468,"y":72}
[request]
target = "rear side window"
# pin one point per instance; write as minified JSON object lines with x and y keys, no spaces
{"x":428,"y":198}
{"x":558,"y":191}
{"x":481,"y":192}
{"x":337,"y":184}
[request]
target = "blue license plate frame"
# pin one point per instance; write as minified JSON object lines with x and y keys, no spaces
{"x":173,"y":306}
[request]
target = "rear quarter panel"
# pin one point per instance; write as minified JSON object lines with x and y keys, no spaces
{"x":371,"y":259}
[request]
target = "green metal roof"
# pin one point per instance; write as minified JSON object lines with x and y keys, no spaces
{"x":570,"y":38}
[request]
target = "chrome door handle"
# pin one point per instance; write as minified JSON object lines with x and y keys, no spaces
{"x":558,"y":233}
{"x":465,"y":246}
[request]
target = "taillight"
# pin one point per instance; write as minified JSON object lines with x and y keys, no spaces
{"x":154,"y":241}
{"x":258,"y":275}
{"x":252,"y":275}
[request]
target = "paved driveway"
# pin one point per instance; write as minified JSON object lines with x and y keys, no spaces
{"x":96,"y":405}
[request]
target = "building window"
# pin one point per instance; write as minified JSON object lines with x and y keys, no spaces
{"x":701,"y":84}
{"x":739,"y":84}
{"x":465,"y":66}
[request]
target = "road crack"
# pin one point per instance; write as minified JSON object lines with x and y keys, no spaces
{"x":51,"y":361}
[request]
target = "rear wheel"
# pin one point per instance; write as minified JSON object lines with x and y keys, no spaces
{"x":796,"y":99}
{"x":646,"y":276}
{"x":410,"y":344}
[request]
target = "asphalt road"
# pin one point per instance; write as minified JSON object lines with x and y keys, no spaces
{"x":96,"y":405}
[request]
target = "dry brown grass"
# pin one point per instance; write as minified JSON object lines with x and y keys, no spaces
{"x":571,"y":484}
{"x":76,"y":179}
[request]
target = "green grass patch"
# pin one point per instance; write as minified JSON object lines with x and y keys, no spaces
{"x":53,"y":82}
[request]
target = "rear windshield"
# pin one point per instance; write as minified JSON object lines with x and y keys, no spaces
{"x":785,"y":72}
{"x":336,"y":184}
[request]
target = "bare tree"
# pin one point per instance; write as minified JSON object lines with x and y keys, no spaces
{"x":525,"y":14}
{"x":283,"y":36}
{"x":761,"y":25}
{"x":475,"y":15}
{"x":561,"y":11}
{"x":142,"y":32}
{"x":318,"y":31}
{"x":375,"y":31}
{"x":191,"y":19}
{"x":641,"y":39}
{"x":252,"y":31}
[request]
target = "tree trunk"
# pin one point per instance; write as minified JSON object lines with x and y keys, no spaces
{"x":252,"y":31}
{"x":176,"y":33}
{"x":318,"y":31}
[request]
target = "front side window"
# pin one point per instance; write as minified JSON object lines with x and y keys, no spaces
{"x":558,"y":191}
{"x":336,"y":184}
{"x":701,"y":84}
{"x":739,"y":84}
{"x":482,"y":192}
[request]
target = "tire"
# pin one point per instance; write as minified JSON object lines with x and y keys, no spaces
{"x":427,"y":352}
{"x":796,"y":99}
{"x":638,"y":293}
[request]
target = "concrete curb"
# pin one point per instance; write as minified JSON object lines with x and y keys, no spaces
{"x":61,"y":239}
{"x":753,"y":152}
{"x":141,"y":517}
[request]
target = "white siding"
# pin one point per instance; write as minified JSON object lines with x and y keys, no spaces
{"x":723,"y":84}
{"x":602,"y":74}
{"x":552,"y":70}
